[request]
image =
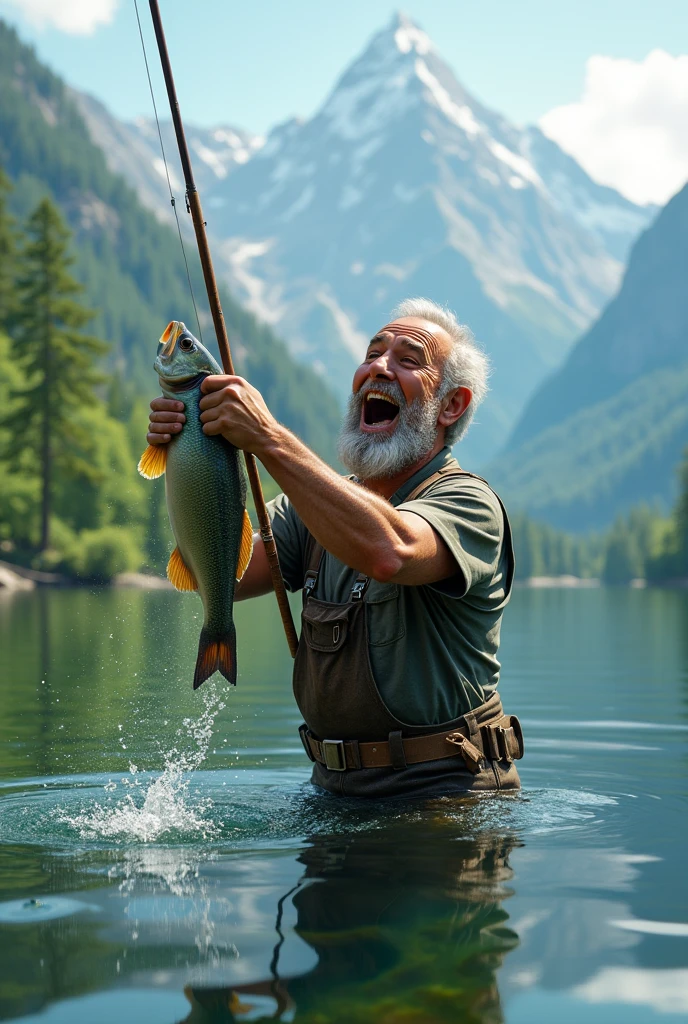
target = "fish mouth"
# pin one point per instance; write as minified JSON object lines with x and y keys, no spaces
{"x":379,"y":411}
{"x":183,"y":382}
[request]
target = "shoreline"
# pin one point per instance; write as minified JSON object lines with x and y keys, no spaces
{"x":16,"y":578}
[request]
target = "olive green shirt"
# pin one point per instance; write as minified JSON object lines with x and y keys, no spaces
{"x":433,"y":648}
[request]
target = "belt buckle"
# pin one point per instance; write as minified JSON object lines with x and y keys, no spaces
{"x":334,"y":754}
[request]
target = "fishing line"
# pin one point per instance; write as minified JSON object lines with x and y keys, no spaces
{"x":167,"y":173}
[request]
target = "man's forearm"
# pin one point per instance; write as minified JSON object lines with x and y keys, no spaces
{"x":355,"y":525}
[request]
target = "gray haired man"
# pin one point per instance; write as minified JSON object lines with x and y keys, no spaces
{"x":405,"y":566}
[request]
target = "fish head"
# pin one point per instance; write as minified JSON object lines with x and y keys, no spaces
{"x":182,"y":360}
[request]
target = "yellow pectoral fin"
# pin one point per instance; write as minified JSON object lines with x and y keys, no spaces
{"x":153,"y":461}
{"x":179,"y":574}
{"x":246,"y":546}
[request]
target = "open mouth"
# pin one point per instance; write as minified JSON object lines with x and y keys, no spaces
{"x":184,"y":382}
{"x":379,"y":410}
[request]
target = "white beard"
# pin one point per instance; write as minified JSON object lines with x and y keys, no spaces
{"x":377,"y":456}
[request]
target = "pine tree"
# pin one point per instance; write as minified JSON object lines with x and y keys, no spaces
{"x":7,"y":255}
{"x":622,"y":559}
{"x":57,"y":360}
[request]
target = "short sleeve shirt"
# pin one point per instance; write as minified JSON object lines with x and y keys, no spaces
{"x":433,"y":648}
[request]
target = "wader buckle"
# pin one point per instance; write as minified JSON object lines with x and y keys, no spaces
{"x":358,"y":589}
{"x":334,"y":754}
{"x":473,"y":757}
{"x":309,"y":582}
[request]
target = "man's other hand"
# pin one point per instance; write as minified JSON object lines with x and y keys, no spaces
{"x":166,"y":420}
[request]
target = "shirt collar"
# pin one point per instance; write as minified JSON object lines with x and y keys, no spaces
{"x":443,"y":458}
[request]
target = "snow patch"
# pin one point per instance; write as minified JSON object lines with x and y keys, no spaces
{"x":409,"y":37}
{"x":209,"y":157}
{"x":523,"y":167}
{"x":299,"y":205}
{"x":227,"y":136}
{"x":159,"y":168}
{"x":462,"y":117}
{"x":363,"y":153}
{"x":257,"y":297}
{"x":353,"y":339}
{"x":283,"y":170}
{"x":488,"y":175}
{"x":366,"y":107}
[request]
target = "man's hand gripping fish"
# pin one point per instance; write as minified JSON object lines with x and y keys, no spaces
{"x":206,"y":498}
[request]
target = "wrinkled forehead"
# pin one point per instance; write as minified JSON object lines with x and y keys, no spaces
{"x":433,"y":339}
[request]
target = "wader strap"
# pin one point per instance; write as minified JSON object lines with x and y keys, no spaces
{"x":313,"y":556}
{"x":454,"y":470}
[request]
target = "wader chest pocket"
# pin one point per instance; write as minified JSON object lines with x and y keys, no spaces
{"x":326,"y":626}
{"x":386,"y":621}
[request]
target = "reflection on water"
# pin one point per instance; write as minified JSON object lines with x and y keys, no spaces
{"x":199,"y":878}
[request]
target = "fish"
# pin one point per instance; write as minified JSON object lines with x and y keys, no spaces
{"x":205,"y":487}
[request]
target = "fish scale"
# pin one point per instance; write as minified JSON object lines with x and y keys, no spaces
{"x":205,"y":489}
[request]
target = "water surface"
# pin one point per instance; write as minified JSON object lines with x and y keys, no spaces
{"x":182,"y":868}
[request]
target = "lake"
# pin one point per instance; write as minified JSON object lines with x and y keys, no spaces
{"x":163,"y":858}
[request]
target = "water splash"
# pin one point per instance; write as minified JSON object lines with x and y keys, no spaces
{"x":154,"y":807}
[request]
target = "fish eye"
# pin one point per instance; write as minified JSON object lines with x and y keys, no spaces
{"x":186,"y":343}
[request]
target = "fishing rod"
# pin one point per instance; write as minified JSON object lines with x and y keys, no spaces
{"x":194,"y":207}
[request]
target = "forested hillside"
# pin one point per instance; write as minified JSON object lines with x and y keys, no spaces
{"x":607,"y":430}
{"x":130,"y":264}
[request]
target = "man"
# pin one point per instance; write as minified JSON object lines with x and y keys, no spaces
{"x":405,"y":567}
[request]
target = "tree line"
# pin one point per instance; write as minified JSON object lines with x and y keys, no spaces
{"x":644,"y":544}
{"x":71,"y":433}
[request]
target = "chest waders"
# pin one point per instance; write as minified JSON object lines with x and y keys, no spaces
{"x":358,"y":746}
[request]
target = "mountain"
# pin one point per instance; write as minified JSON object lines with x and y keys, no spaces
{"x":607,"y":429}
{"x":130,"y":263}
{"x":132,"y":149}
{"x":403,"y":184}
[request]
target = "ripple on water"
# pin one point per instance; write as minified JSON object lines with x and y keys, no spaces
{"x":257,"y":808}
{"x":260,"y":808}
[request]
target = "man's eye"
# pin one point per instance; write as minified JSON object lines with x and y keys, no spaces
{"x":410,"y":359}
{"x":373,"y":354}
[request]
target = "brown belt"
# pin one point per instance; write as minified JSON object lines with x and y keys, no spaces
{"x":498,"y":740}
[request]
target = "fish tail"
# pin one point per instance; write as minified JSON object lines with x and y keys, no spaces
{"x":216,"y":654}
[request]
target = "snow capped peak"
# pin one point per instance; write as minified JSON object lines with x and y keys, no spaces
{"x":408,"y":36}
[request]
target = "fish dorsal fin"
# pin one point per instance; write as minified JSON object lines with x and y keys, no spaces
{"x":153,"y":461}
{"x":246,"y":546}
{"x":179,"y":574}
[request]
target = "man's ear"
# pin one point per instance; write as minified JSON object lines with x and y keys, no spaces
{"x":454,"y":406}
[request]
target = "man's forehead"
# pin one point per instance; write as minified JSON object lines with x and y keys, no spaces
{"x":429,"y":334}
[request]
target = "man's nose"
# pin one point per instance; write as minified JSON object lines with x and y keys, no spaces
{"x":381,"y":367}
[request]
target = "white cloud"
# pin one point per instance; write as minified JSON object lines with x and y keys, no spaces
{"x":76,"y":17}
{"x":628,"y":129}
{"x":665,"y":991}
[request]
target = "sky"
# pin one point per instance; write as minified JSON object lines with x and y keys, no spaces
{"x":607,"y":79}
